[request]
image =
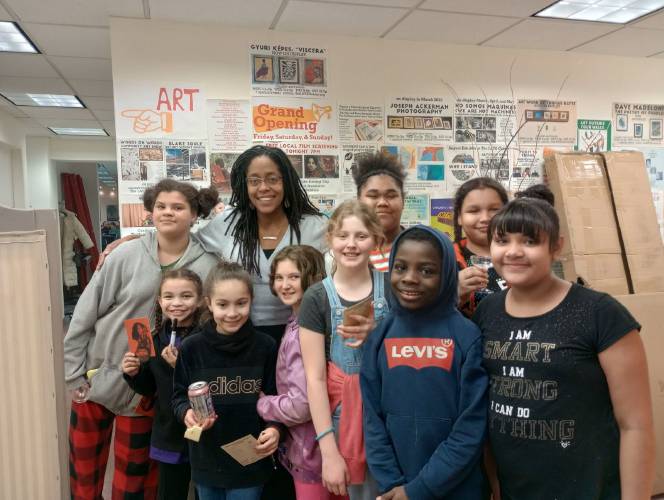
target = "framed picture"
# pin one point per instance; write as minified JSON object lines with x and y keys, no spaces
{"x":394,"y":122}
{"x":408,"y":122}
{"x":314,"y":71}
{"x":263,"y":69}
{"x":289,"y":70}
{"x":621,"y":123}
{"x":656,"y":128}
{"x":638,"y":130}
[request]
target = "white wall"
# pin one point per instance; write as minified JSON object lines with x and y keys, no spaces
{"x":367,"y":70}
{"x":6,"y":176}
{"x":13,"y":167}
{"x":41,"y":176}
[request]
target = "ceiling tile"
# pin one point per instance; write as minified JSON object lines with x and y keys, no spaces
{"x":101,"y":114}
{"x":34,"y":85}
{"x":631,"y":42}
{"x":15,"y":111}
{"x":99,"y":103}
{"x":59,"y":40}
{"x":449,"y":28}
{"x":83,"y":67}
{"x":109,"y":127}
{"x":382,"y":3}
{"x":28,"y":65}
{"x":660,"y":55}
{"x":338,"y":19}
{"x":510,"y":8}
{"x":549,"y":34}
{"x":656,"y":21}
{"x":64,"y":122}
{"x":81,"y":12}
{"x":93,"y":88}
{"x":241,"y":13}
{"x":70,"y":114}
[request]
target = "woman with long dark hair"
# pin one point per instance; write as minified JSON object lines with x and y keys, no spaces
{"x":268,"y":210}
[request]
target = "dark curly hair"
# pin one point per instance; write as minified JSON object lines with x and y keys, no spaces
{"x":201,"y":201}
{"x":538,"y":191}
{"x":467,"y":187}
{"x":369,"y":165}
{"x":243,"y":218}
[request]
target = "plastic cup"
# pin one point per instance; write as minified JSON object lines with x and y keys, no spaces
{"x":483,"y":263}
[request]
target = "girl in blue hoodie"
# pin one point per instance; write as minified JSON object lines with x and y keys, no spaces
{"x":423,"y":386}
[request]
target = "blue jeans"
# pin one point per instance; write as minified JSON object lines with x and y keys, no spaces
{"x":212,"y":493}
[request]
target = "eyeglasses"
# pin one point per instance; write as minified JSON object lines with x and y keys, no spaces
{"x":270,"y":180}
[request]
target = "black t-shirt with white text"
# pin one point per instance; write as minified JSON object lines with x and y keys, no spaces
{"x":551,"y":424}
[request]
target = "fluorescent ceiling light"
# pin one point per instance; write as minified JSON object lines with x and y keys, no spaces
{"x":606,"y":11}
{"x":78,"y":131}
{"x":51,"y":100}
{"x":12,"y":39}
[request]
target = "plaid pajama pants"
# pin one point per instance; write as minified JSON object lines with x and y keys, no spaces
{"x":90,"y":429}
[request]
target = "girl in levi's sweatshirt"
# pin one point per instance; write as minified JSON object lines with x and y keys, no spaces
{"x":294,"y":269}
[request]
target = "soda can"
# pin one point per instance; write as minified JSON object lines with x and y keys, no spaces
{"x":201,"y":402}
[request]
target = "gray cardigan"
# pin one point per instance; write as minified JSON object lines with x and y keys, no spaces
{"x":216,"y":237}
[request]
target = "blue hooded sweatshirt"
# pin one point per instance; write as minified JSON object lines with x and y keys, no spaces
{"x":424,"y":392}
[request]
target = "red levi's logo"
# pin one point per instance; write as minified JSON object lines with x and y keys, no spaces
{"x":420,"y":353}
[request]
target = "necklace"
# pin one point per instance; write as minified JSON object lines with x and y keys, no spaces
{"x":275,"y":237}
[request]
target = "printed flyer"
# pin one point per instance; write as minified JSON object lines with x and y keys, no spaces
{"x":229,"y":125}
{"x":424,"y":166}
{"x":542,"y":122}
{"x":416,"y":210}
{"x":593,"y":136}
{"x":527,"y":168}
{"x":288,"y":70}
{"x":442,"y":215}
{"x":350,"y":154}
{"x":484,"y":121}
{"x":362,"y":123}
{"x":638,"y":124}
{"x":156,"y":110}
{"x":419,"y":119}
{"x":279,"y":119}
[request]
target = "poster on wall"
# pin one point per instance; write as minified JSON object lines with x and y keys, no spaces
{"x":442,"y":215}
{"x":527,"y":168}
{"x":288,"y":70}
{"x":415,"y":210}
{"x":220,"y":165}
{"x":277,"y":119}
{"x":419,"y":119}
{"x":350,"y":155}
{"x":229,"y":124}
{"x":153,"y":110}
{"x":483,"y":121}
{"x":654,"y":160}
{"x":317,"y":165}
{"x":638,"y":124}
{"x":465,"y":161}
{"x":543,"y":122}
{"x":361,"y":123}
{"x":424,"y":166}
{"x":593,"y":136}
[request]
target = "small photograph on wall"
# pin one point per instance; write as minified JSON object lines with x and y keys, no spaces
{"x":289,"y":70}
{"x":430,"y":172}
{"x":314,"y":71}
{"x":177,"y":164}
{"x":638,"y":130}
{"x":486,"y":136}
{"x":220,"y":170}
{"x":129,"y":168}
{"x":369,"y":130}
{"x":135,"y":215}
{"x":431,"y":153}
{"x":622,"y":123}
{"x":408,"y":122}
{"x":397,"y":122}
{"x":197,"y":167}
{"x":263,"y":69}
{"x":296,"y":161}
{"x":321,"y":167}
{"x":150,"y":154}
{"x":656,"y":128}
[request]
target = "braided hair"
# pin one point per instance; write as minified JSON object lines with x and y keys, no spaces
{"x":296,"y":203}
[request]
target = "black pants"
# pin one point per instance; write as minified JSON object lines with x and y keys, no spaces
{"x":280,"y":485}
{"x":173,"y":481}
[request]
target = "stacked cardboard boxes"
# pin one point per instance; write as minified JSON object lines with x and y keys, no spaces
{"x":608,"y":220}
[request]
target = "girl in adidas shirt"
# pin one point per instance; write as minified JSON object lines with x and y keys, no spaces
{"x":238,"y":363}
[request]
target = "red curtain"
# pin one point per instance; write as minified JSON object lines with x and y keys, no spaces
{"x":75,"y":201}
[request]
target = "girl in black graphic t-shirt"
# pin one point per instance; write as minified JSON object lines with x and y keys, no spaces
{"x":570,"y":414}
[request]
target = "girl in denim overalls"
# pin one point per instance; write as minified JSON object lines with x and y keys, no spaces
{"x":332,"y":351}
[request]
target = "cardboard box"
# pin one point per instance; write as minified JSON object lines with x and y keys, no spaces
{"x":637,"y":219}
{"x":646,"y":308}
{"x":592,"y":249}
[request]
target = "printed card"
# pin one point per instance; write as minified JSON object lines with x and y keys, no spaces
{"x":139,"y":337}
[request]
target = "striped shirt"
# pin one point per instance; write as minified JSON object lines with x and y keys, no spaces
{"x":380,"y":260}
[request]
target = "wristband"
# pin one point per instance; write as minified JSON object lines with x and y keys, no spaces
{"x":324,"y":433}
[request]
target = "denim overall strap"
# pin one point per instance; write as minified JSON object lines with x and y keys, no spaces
{"x":380,"y":305}
{"x":347,"y":358}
